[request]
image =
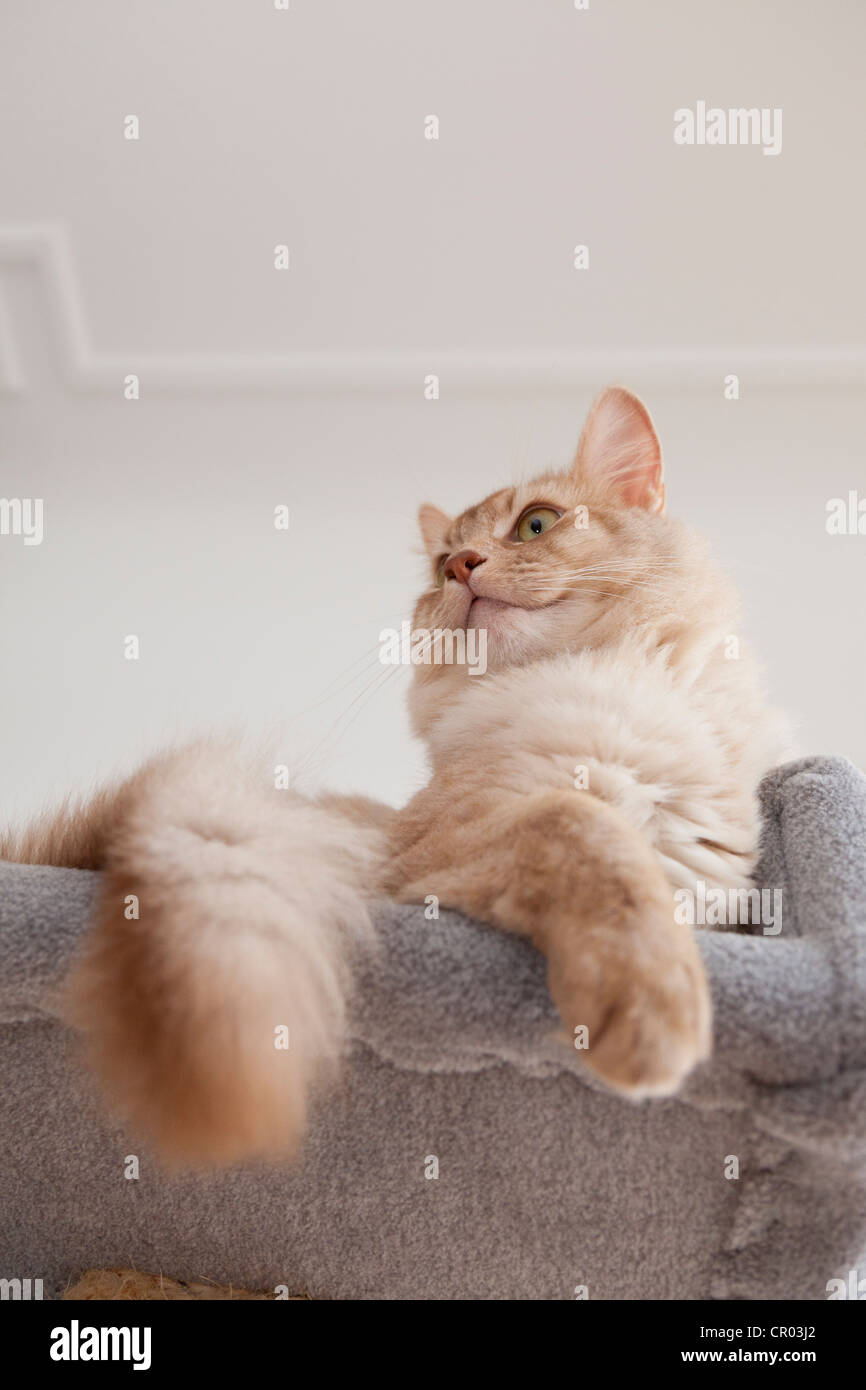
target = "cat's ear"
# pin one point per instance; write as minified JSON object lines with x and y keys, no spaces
{"x":433,"y":524}
{"x":619,"y":446}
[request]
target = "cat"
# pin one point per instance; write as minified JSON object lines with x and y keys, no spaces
{"x":608,"y":757}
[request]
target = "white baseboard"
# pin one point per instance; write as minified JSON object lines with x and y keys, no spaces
{"x":84,"y":368}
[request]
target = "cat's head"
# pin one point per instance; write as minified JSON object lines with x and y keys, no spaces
{"x":550,"y":565}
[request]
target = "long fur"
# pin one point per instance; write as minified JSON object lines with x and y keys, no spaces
{"x":249,"y":905}
{"x":610,"y":653}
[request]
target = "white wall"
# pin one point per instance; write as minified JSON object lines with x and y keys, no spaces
{"x":408,"y":256}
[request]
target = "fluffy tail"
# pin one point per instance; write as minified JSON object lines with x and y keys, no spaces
{"x":212,"y":987}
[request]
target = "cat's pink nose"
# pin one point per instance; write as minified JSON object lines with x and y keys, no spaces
{"x":461,"y":565}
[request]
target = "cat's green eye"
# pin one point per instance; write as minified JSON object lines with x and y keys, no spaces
{"x":534,"y":522}
{"x":440,"y":570}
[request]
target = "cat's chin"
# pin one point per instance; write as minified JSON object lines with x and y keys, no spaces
{"x":511,"y":619}
{"x":513,"y":634}
{"x":490,"y":613}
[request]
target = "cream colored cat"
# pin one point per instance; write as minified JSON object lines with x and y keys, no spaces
{"x":609,"y":756}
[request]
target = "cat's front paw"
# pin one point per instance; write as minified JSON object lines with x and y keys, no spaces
{"x":636,"y":1003}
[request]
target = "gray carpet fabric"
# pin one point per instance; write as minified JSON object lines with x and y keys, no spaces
{"x":465,"y":1152}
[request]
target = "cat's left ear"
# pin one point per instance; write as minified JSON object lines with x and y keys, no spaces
{"x":619,"y":446}
{"x":433,"y":524}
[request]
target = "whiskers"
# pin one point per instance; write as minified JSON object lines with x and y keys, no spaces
{"x":365,"y":679}
{"x":374,"y":675}
{"x":625,"y":574}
